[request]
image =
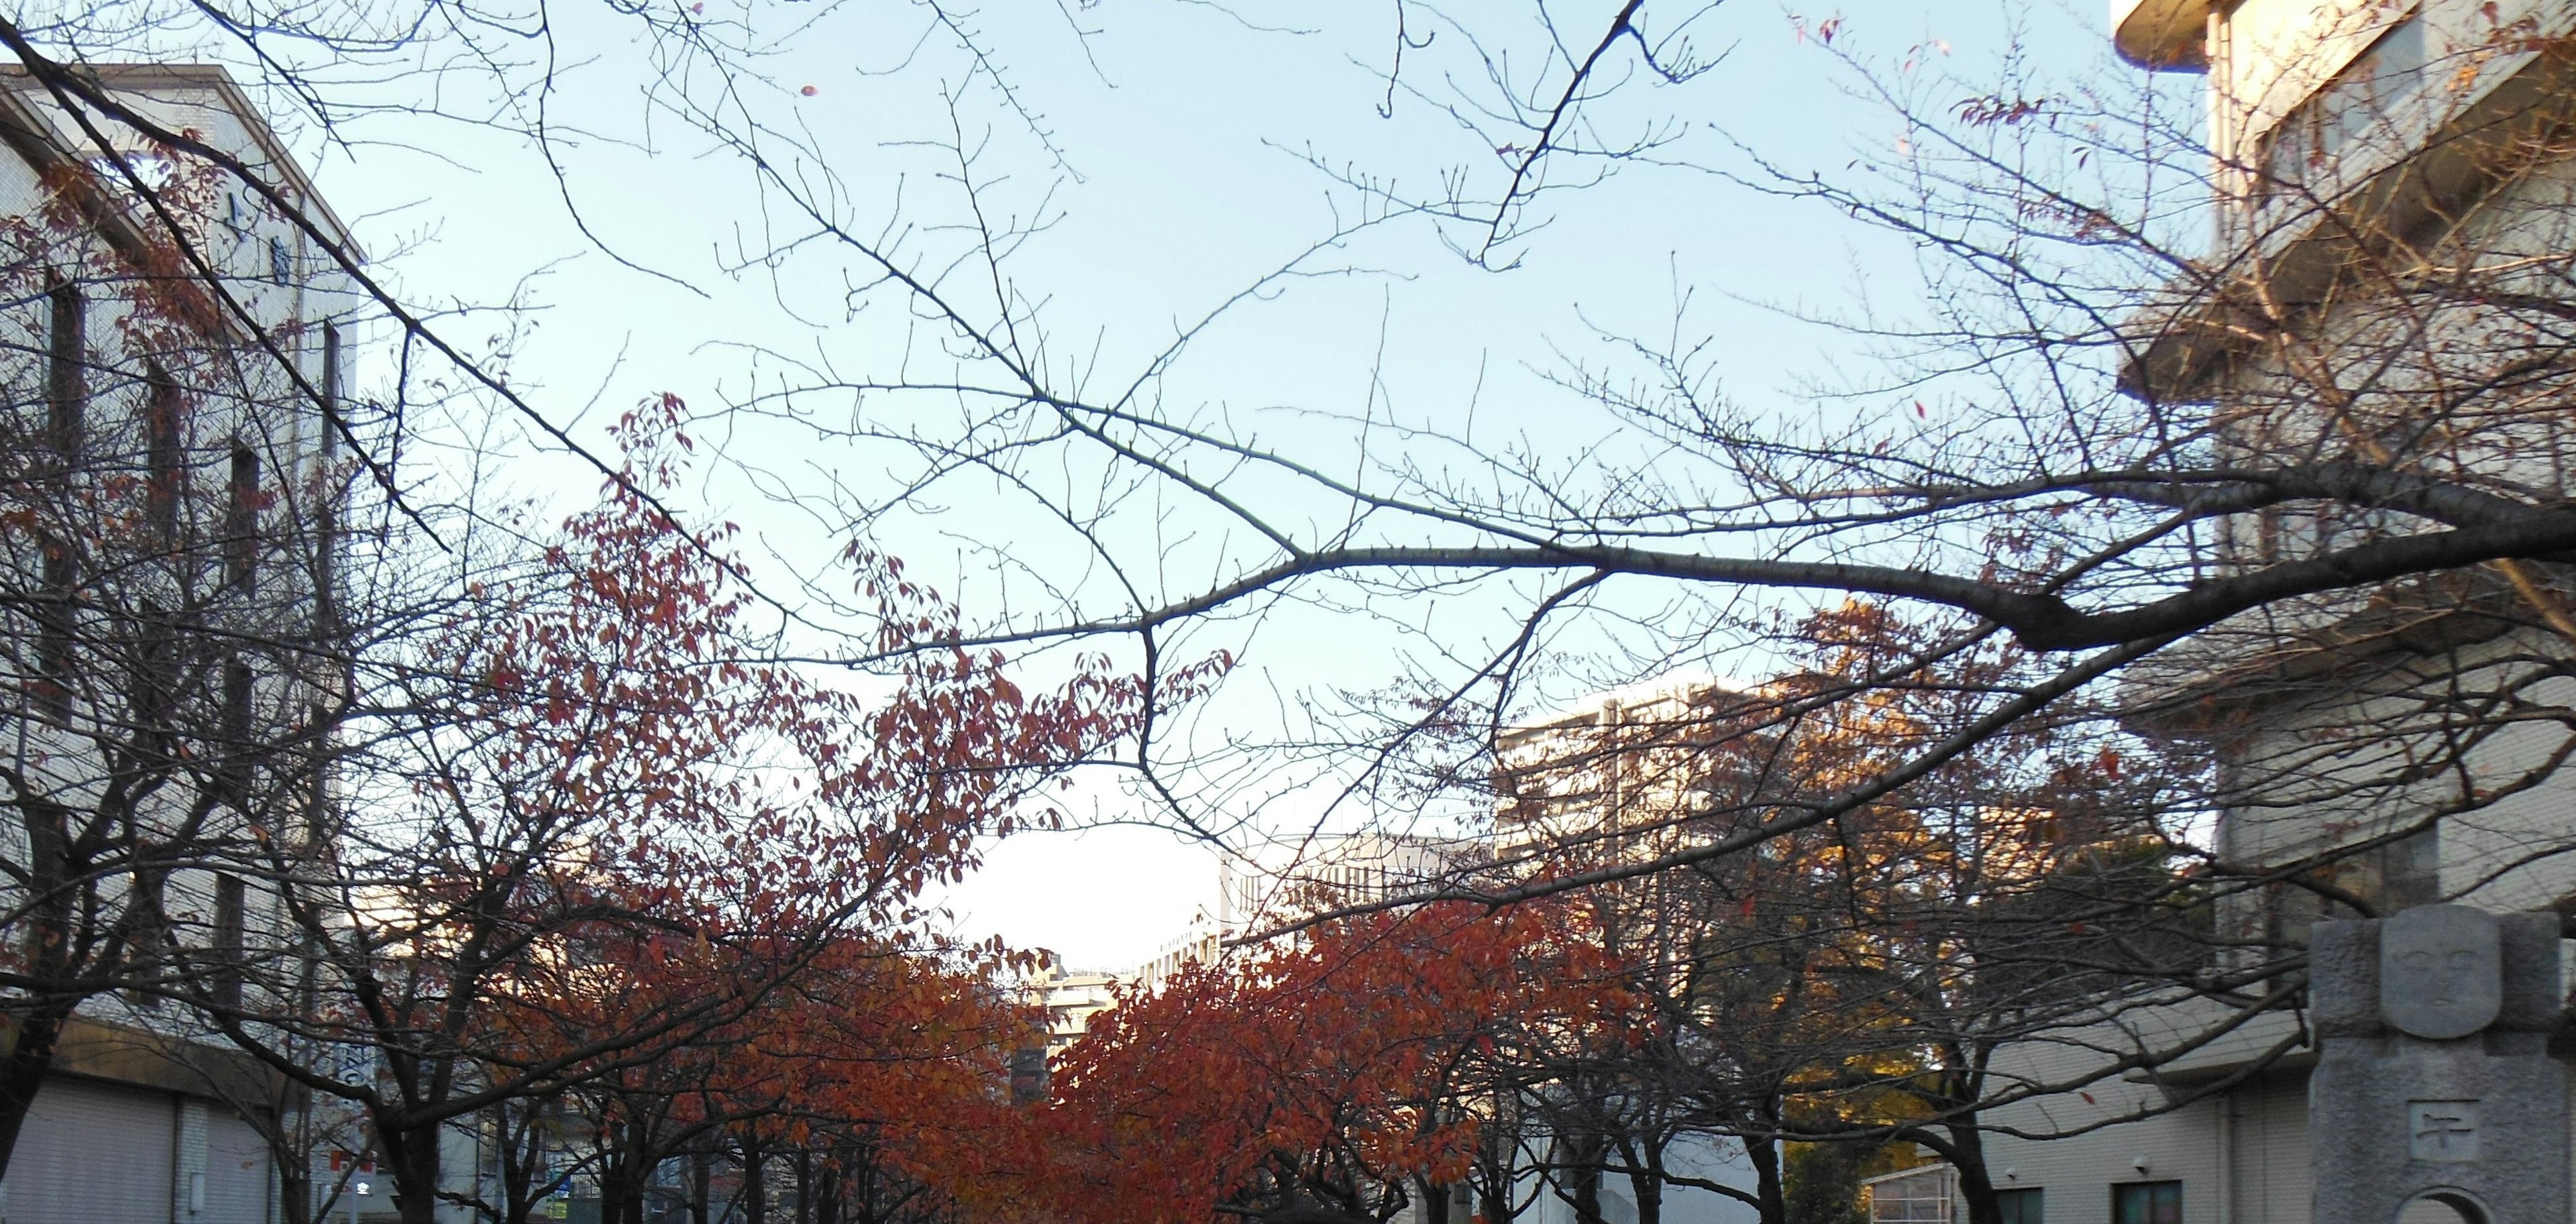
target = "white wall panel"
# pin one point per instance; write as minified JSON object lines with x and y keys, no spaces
{"x":93,"y":1153}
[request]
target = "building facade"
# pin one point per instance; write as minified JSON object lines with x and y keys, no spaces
{"x":171,"y":351}
{"x":2385,"y":174}
{"x":1070,"y":998}
{"x":1286,"y":881}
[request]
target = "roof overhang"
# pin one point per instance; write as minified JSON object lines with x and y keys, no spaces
{"x":209,"y":83}
{"x":2182,"y":348}
{"x":2170,"y":34}
{"x":2210,"y":686}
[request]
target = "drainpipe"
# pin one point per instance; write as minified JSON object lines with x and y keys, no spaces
{"x":2226,"y":1157}
{"x":2235,"y":180}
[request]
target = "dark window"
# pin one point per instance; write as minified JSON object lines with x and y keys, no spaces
{"x":228,"y":946}
{"x":233,"y":755}
{"x":2147,"y":1203}
{"x":281,"y":265}
{"x":162,"y":456}
{"x":241,"y":521}
{"x":154,"y":670}
{"x":2360,"y":104}
{"x":318,"y":794}
{"x":326,"y":517}
{"x":331,"y":373}
{"x":2399,"y":875}
{"x":66,"y":372}
{"x":2020,"y":1206}
{"x":238,"y":686}
{"x":54,"y":616}
{"x":151,"y":943}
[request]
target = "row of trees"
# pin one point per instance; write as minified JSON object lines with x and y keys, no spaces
{"x":2228,"y":578}
{"x":1878,"y":981}
{"x":400,"y":818}
{"x":2175,"y":553}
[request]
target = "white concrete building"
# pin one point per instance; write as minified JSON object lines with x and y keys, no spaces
{"x":1070,"y":998}
{"x":2363,"y":149}
{"x":165,"y":406}
{"x":1287,"y":880}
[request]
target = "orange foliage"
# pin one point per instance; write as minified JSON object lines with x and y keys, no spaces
{"x":1331,"y":1071}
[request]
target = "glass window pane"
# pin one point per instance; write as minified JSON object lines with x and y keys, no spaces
{"x":2147,"y":1203}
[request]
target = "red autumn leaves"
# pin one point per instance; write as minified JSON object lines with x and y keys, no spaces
{"x":1323,"y":1072}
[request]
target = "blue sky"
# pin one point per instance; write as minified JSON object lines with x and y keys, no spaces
{"x":1185,"y":131}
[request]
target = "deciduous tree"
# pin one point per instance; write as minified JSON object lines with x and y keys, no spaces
{"x":590,"y":834}
{"x":1325,"y":1080}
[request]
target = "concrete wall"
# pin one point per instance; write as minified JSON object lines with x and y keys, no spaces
{"x":1712,"y":1159}
{"x":2242,"y":1159}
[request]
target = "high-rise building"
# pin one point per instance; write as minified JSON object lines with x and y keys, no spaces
{"x":1289,"y":880}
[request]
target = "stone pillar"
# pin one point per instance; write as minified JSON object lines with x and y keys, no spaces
{"x":2433,"y":1078}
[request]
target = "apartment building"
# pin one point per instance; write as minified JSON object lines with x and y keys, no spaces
{"x":2393,"y":182}
{"x":171,"y":347}
{"x":1617,"y":776}
{"x":1070,"y":998}
{"x":1254,"y":892}
{"x":1287,"y":880}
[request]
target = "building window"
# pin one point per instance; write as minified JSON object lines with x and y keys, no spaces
{"x":154,"y":672}
{"x":326,"y":518}
{"x":2399,"y":875}
{"x":241,"y":521}
{"x":227,"y":942}
{"x":54,"y":625}
{"x":233,"y":755}
{"x":164,"y":469}
{"x":66,"y":370}
{"x":2147,"y":1203}
{"x":1916,"y":1196}
{"x":2020,"y":1207}
{"x":331,"y":374}
{"x":281,"y":264}
{"x":2360,"y":104}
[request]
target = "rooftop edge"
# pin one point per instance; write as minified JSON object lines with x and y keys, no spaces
{"x":2169,"y":34}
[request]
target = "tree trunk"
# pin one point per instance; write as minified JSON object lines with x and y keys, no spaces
{"x":1645,"y":1162}
{"x":1976,"y":1182}
{"x":863,"y":1182}
{"x":1764,"y":1156}
{"x":410,"y":1155}
{"x":294,"y":1194}
{"x":1435,"y":1201}
{"x":755,"y":1190}
{"x":827,"y":1201}
{"x":290,"y":1149}
{"x":1497,"y":1160}
{"x":804,"y":1186}
{"x":701,"y":1172}
{"x":622,"y":1173}
{"x":525,"y":1180}
{"x":1580,"y":1173}
{"x":22,"y":1073}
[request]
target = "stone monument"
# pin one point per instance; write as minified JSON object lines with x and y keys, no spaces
{"x":2434,"y":1081}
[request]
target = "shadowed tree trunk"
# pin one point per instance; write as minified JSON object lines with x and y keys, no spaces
{"x":701,"y":1177}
